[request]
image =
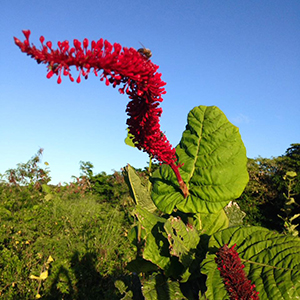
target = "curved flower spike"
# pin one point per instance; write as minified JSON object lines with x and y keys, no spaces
{"x":124,"y":67}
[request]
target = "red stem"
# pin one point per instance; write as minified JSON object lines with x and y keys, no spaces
{"x":182,"y":184}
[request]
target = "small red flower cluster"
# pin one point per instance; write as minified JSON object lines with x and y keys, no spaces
{"x":234,"y":277}
{"x":119,"y":66}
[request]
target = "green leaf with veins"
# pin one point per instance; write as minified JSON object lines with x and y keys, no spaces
{"x":214,"y":170}
{"x":272,"y":262}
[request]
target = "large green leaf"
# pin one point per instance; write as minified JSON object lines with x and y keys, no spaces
{"x":211,"y":223}
{"x":157,"y":287}
{"x":215,"y":165}
{"x":234,"y":214}
{"x":140,"y":193}
{"x":272,"y":262}
{"x":156,"y":247}
{"x":183,"y":241}
{"x":120,"y":285}
{"x":129,"y":139}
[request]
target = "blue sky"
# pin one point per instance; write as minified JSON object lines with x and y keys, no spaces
{"x":242,"y":56}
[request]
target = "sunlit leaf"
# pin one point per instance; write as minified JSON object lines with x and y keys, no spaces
{"x":44,"y":275}
{"x":140,"y":192}
{"x":183,"y":240}
{"x":156,"y":247}
{"x":129,"y":139}
{"x":272,"y":262}
{"x":211,"y":223}
{"x":215,"y":165}
{"x":50,"y":259}
{"x":157,"y":287}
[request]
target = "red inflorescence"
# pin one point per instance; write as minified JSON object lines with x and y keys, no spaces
{"x":237,"y":284}
{"x":115,"y":65}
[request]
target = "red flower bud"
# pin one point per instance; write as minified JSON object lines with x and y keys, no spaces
{"x":49,"y":45}
{"x":26,"y":33}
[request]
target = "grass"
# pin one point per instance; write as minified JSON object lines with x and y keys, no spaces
{"x":85,"y":236}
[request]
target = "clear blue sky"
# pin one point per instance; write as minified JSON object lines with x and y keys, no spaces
{"x":242,"y":56}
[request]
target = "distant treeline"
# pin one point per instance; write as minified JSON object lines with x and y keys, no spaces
{"x":264,"y":198}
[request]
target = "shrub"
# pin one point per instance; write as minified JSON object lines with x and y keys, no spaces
{"x":86,"y":239}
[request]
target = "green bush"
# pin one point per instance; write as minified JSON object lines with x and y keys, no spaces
{"x":86,"y":238}
{"x":83,"y":227}
{"x":267,"y":187}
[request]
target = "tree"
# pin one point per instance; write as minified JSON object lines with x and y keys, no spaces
{"x":263,"y":198}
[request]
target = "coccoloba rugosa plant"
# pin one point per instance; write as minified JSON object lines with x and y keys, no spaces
{"x":210,"y":165}
{"x":128,"y":68}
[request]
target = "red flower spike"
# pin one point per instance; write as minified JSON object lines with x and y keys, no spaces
{"x":118,"y":66}
{"x":237,"y":284}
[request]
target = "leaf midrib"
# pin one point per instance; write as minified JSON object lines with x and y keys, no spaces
{"x":198,"y":146}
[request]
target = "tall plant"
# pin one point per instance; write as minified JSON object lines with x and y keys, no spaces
{"x":189,"y":244}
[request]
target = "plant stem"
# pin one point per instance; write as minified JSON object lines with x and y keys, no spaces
{"x":190,"y":221}
{"x":149,"y":171}
{"x":182,"y":185}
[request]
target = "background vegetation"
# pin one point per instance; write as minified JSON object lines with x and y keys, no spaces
{"x":264,"y":198}
{"x":83,"y":226}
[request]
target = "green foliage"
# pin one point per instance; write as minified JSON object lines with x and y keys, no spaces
{"x":139,"y":192}
{"x":85,"y":225}
{"x":16,"y":198}
{"x":271,"y":262}
{"x":86,"y":239}
{"x":210,"y":223}
{"x":292,"y":162}
{"x":109,"y":187}
{"x":234,"y":214}
{"x":290,"y":178}
{"x":120,"y":285}
{"x":266,"y":188}
{"x":157,"y":287}
{"x":86,"y":168}
{"x":155,"y":239}
{"x":29,"y":174}
{"x":43,"y":275}
{"x":182,"y":240}
{"x":129,"y":139}
{"x":214,"y":169}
